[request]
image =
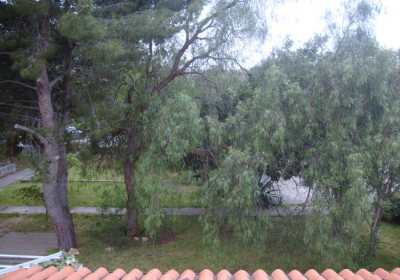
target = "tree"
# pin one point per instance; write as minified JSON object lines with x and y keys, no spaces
{"x":320,"y":114}
{"x":151,"y":126}
{"x":34,"y":38}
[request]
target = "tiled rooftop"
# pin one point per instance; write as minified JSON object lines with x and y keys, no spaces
{"x":68,"y":273}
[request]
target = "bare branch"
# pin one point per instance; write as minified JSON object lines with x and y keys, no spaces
{"x":19,"y":106}
{"x":18,"y":83}
{"x":58,"y":78}
{"x":204,"y":25}
{"x":194,"y":72}
{"x":39,"y":137}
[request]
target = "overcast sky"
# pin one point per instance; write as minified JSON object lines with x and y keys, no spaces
{"x":301,"y":19}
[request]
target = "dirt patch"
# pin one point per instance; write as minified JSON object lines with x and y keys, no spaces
{"x":7,"y":225}
{"x":167,"y":238}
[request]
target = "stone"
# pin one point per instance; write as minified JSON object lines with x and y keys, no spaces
{"x":109,"y":249}
{"x":145,"y":239}
{"x":74,"y":252}
{"x":136,"y":238}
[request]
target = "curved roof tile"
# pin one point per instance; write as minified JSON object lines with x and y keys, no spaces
{"x":67,"y":273}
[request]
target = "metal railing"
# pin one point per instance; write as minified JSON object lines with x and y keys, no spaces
{"x":5,"y":268}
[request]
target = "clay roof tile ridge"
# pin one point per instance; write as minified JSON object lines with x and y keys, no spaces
{"x":278,"y":274}
{"x":396,"y":270}
{"x":296,"y":275}
{"x":134,"y":274}
{"x":188,"y":275}
{"x":206,"y":274}
{"x":260,"y":274}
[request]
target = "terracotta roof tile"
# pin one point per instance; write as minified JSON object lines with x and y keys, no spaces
{"x":296,"y":275}
{"x":241,"y":275}
{"x":396,"y":270}
{"x":206,"y":274}
{"x":365,"y":274}
{"x":26,"y":273}
{"x":330,"y":274}
{"x":279,"y":275}
{"x":99,"y":274}
{"x":188,"y":275}
{"x":44,"y":274}
{"x":224,"y":275}
{"x":311,"y":274}
{"x":116,"y":275}
{"x":153,"y":274}
{"x":13,"y":274}
{"x":381,"y":273}
{"x":62,"y":274}
{"x":134,"y":274}
{"x":346,"y":274}
{"x":79,"y":274}
{"x":260,"y":275}
{"x":52,"y":273}
{"x":393,"y":276}
{"x":170,"y":275}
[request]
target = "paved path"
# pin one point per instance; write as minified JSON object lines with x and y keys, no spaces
{"x":7,"y":180}
{"x":281,"y":211}
{"x":32,"y":243}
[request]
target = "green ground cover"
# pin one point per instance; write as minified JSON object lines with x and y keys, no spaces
{"x":182,"y":249}
{"x":91,"y":194}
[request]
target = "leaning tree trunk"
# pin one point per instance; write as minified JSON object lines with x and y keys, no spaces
{"x":374,"y":228}
{"x":131,"y":202}
{"x":62,"y":175}
{"x":55,"y":195}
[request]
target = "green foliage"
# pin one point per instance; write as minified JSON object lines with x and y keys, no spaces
{"x":178,"y":127}
{"x":391,"y":207}
{"x":80,"y":25}
{"x":67,"y":259}
{"x":72,"y":161}
{"x":110,"y":227}
{"x":231,"y":199}
{"x":31,"y":193}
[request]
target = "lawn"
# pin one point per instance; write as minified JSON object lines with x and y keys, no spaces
{"x":90,"y":194}
{"x":184,"y":250}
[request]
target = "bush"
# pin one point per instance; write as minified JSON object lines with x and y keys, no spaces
{"x":391,"y":208}
{"x":111,"y":227}
{"x":31,"y":193}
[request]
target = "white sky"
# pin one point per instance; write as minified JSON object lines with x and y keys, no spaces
{"x":301,"y":19}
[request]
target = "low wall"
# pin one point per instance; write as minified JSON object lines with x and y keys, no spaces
{"x":7,"y":169}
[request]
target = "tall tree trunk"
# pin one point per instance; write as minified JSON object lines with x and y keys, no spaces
{"x":55,"y":195}
{"x":62,"y":183}
{"x":62,"y":176}
{"x":374,"y":228}
{"x":131,"y":203}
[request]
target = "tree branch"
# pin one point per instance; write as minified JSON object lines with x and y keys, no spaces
{"x":19,"y":106}
{"x":18,"y":83}
{"x":194,"y":72}
{"x":58,"y":78}
{"x":204,"y":25}
{"x":39,"y":137}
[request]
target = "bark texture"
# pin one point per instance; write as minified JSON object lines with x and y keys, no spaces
{"x":55,"y":183}
{"x":374,"y":228}
{"x":131,"y":203}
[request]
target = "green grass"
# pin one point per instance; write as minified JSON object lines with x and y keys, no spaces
{"x":90,"y":194}
{"x":186,"y":251}
{"x":79,"y":194}
{"x":388,"y":255}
